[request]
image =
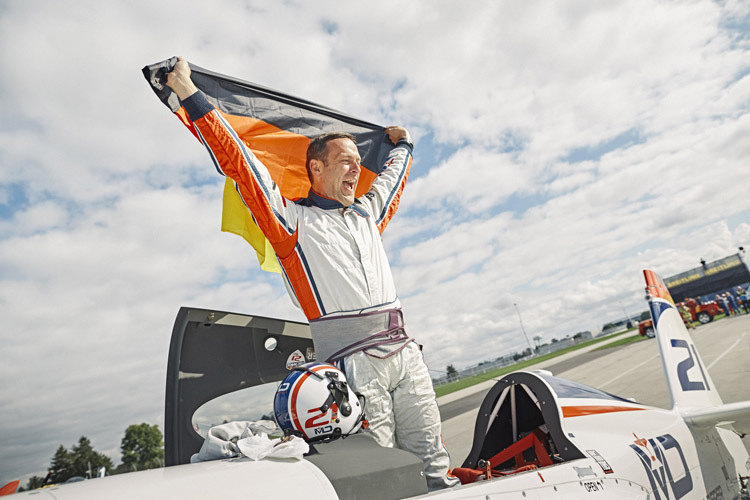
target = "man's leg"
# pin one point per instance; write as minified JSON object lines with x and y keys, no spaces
{"x":369,"y":377}
{"x":418,"y":419}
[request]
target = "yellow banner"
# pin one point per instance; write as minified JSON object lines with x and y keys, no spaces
{"x":236,"y":218}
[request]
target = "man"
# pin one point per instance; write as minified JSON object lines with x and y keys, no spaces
{"x":744,"y":299}
{"x":722,"y":301}
{"x":687,"y":316}
{"x":733,"y":305}
{"x":336,"y":271}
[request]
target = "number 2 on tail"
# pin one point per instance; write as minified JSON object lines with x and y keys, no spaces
{"x":686,"y":364}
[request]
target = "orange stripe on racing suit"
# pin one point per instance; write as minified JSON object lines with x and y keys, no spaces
{"x":262,"y":198}
{"x":394,"y":197}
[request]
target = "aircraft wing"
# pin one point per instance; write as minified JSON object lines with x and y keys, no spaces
{"x":736,"y":414}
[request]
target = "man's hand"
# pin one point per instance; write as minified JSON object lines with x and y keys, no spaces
{"x":179,"y":80}
{"x":395,"y":134}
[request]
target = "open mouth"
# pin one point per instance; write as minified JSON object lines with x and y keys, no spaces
{"x":349,"y":185}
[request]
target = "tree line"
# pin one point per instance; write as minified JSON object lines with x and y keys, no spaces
{"x":142,"y":448}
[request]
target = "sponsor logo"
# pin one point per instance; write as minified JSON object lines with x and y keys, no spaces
{"x":295,"y":359}
{"x":664,"y":474}
{"x":328,"y":429}
{"x":310,"y":354}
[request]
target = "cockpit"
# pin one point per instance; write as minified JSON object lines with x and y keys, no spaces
{"x":518,"y":427}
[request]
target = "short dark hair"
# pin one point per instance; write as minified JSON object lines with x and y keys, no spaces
{"x":318,"y":148}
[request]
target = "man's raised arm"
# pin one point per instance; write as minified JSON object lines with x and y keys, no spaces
{"x":179,"y":80}
{"x":235,"y":160}
{"x":384,"y":195}
{"x":396,"y":133}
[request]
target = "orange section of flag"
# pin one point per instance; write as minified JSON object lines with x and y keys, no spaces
{"x":366,"y":176}
{"x":250,"y":110}
{"x":284,"y":154}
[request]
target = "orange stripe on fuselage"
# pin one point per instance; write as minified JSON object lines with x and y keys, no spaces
{"x":582,"y":411}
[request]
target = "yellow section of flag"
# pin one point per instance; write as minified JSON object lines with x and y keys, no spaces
{"x":236,"y":218}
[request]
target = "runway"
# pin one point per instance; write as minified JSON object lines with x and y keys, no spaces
{"x":632,"y":371}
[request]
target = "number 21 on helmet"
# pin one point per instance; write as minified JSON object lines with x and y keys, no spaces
{"x":315,"y":402}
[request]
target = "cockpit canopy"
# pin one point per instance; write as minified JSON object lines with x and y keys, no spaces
{"x":214,"y":353}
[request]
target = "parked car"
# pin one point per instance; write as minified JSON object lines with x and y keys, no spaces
{"x":703,"y":313}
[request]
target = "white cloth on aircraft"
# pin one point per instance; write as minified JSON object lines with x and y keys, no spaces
{"x":249,"y":439}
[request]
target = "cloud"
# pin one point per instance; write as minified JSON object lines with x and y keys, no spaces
{"x":474,"y":178}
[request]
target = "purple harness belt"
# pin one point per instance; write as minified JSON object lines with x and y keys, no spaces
{"x":379,"y":334}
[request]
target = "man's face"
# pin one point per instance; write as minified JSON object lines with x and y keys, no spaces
{"x":339,"y":173}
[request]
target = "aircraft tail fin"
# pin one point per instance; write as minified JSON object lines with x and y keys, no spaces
{"x":10,"y":488}
{"x":690,"y":385}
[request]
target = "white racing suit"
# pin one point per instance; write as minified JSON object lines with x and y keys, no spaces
{"x":399,"y":395}
{"x":336,"y":270}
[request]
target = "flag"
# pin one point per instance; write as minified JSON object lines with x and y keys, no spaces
{"x":277,"y":128}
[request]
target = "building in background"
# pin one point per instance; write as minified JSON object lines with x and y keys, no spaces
{"x":710,"y":278}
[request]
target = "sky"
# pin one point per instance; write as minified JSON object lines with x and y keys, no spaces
{"x":561,"y":148}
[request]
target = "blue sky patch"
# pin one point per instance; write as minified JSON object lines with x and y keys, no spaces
{"x":13,"y":198}
{"x":594,"y":153}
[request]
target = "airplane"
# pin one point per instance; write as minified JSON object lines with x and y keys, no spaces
{"x":536,"y":436}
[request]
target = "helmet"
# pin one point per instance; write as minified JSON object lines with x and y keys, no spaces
{"x":315,"y":401}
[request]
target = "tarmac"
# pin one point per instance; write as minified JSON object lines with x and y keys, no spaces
{"x":632,"y":371}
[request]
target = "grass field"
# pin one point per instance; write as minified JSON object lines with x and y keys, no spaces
{"x":473,"y":380}
{"x":621,"y":342}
